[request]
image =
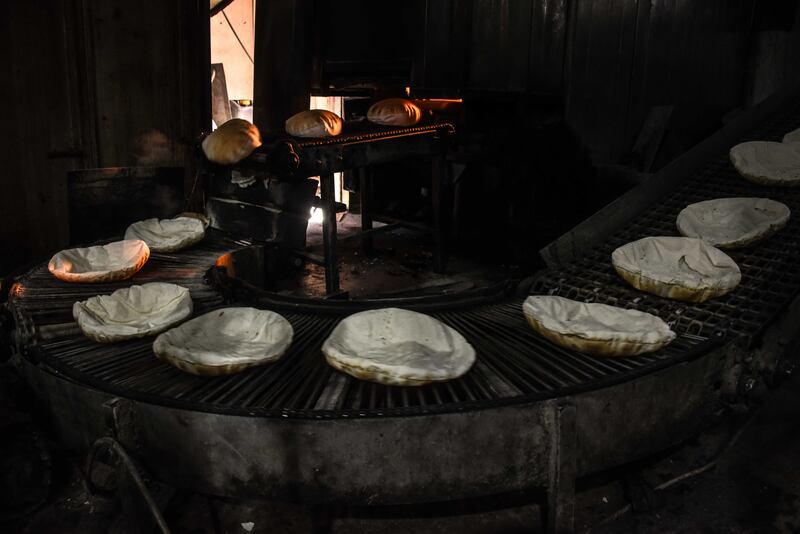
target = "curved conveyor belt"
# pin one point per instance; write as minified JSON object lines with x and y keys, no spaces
{"x":514,"y":364}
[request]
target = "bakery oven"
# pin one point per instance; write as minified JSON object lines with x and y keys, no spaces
{"x":530,"y":416}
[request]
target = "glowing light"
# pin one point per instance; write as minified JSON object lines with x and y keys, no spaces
{"x":18,"y":289}
{"x":316,"y":215}
{"x":408,"y":91}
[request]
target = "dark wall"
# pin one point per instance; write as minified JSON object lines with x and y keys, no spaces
{"x":610,"y":62}
{"x":627,"y":56}
{"x":92,"y":83}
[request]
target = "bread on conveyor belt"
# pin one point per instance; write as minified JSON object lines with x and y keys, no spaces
{"x":681,"y":268}
{"x":768,"y":163}
{"x":167,"y":235}
{"x":732,"y":222}
{"x":394,"y":112}
{"x":398,"y":347}
{"x":596,"y":328}
{"x":314,"y":123}
{"x":133,"y":312}
{"x":231,"y":142}
{"x":225,"y":341}
{"x":792,"y":137}
{"x":103,"y":263}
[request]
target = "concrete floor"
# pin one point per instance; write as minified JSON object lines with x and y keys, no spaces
{"x":753,"y":488}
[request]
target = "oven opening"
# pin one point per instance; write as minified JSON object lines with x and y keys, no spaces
{"x":232,"y":38}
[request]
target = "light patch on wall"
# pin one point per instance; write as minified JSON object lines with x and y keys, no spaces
{"x":336,"y":105}
{"x":233,"y":54}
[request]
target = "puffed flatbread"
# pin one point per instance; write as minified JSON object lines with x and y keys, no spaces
{"x":398,"y":347}
{"x":792,"y":137}
{"x":133,"y":312}
{"x":768,"y":163}
{"x":596,"y":328}
{"x":732,"y":222}
{"x":681,"y":268}
{"x":103,"y":263}
{"x":394,"y":112}
{"x":167,"y":235}
{"x":225,"y":341}
{"x":231,"y":142}
{"x":314,"y":123}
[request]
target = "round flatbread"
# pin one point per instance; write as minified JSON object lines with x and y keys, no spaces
{"x":314,"y":123}
{"x":596,"y":328}
{"x":167,"y":235}
{"x":225,"y":341}
{"x":394,"y":112}
{"x":231,"y":142}
{"x":792,"y":137}
{"x":103,"y":263}
{"x":768,"y":163}
{"x":732,"y":222}
{"x":398,"y":347}
{"x":133,"y":312}
{"x":681,"y":268}
{"x":194,"y":215}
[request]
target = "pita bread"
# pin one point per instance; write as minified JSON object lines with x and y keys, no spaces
{"x":768,"y":163}
{"x":167,"y":235}
{"x":314,"y":123}
{"x":194,"y":215}
{"x":132,"y":312}
{"x":681,"y":268}
{"x":225,"y":341}
{"x":394,"y":112}
{"x":103,"y":263}
{"x":732,"y":222}
{"x":596,"y":328}
{"x":398,"y":347}
{"x":792,"y":137}
{"x":231,"y":142}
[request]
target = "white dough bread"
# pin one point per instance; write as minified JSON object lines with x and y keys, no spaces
{"x":398,"y":347}
{"x":167,"y":235}
{"x":792,"y":137}
{"x":225,"y":341}
{"x":103,"y":263}
{"x":732,"y":222}
{"x":394,"y":112}
{"x":768,"y":163}
{"x":133,"y":312}
{"x":596,"y":328}
{"x":314,"y":123}
{"x":681,"y":268}
{"x":231,"y":142}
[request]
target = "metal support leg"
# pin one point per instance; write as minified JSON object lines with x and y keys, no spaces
{"x":438,"y":199}
{"x":365,"y":197}
{"x":560,"y":509}
{"x":329,"y":233}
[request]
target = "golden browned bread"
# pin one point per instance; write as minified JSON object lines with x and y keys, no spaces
{"x":394,"y":112}
{"x":314,"y":123}
{"x":104,"y":263}
{"x":231,"y":142}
